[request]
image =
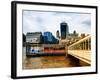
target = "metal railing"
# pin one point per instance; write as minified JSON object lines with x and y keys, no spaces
{"x":81,"y":49}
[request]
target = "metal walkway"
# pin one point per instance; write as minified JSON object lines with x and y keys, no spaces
{"x":81,"y":49}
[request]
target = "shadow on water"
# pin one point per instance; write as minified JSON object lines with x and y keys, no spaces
{"x":73,"y":61}
{"x":76,"y":62}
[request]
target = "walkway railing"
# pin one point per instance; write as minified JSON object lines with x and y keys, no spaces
{"x":81,"y":49}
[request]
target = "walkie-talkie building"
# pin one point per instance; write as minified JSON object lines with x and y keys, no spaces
{"x":64,"y":30}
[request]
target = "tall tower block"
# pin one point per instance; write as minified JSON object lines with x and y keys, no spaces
{"x":64,"y":30}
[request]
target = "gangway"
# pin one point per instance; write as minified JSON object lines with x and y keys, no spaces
{"x":81,"y":49}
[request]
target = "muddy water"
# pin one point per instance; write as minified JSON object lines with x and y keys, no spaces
{"x":50,"y":62}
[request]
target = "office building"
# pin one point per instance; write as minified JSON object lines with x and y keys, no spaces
{"x":57,"y":34}
{"x":34,"y":37}
{"x":48,"y":38}
{"x":64,"y":30}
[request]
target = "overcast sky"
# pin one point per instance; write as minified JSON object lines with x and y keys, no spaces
{"x":36,"y":21}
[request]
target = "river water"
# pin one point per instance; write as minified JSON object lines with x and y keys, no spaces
{"x":50,"y":62}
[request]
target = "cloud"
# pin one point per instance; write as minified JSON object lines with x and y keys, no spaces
{"x":35,"y":21}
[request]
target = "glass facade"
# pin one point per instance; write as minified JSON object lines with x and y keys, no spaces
{"x":64,"y":30}
{"x":48,"y":38}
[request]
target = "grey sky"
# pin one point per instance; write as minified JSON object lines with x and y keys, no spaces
{"x":34,"y":21}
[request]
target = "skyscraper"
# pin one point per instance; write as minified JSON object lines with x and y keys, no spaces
{"x":64,"y":30}
{"x":57,"y":34}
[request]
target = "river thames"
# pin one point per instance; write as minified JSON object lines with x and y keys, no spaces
{"x":50,"y":62}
